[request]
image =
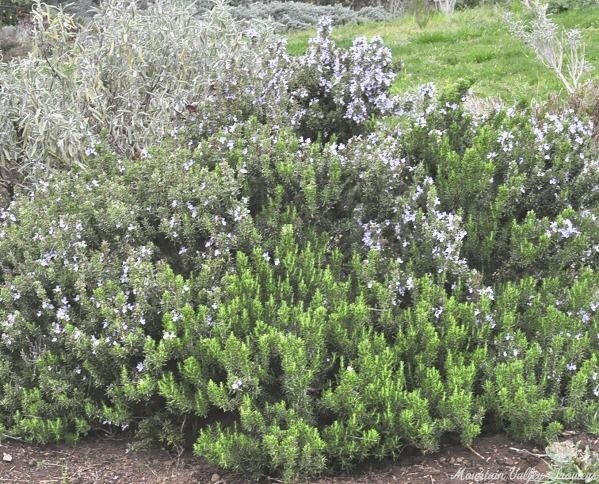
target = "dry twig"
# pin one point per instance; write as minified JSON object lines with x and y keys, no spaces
{"x":475,"y":453}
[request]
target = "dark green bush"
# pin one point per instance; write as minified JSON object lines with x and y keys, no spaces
{"x":523,"y":185}
{"x":555,"y":6}
{"x":12,"y":11}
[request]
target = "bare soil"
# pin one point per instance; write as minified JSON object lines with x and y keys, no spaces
{"x":491,"y":459}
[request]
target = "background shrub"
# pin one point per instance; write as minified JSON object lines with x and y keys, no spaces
{"x":564,"y":5}
{"x":85,"y":83}
{"x":122,"y":77}
{"x":301,"y":15}
{"x":11,"y":11}
{"x":15,"y":41}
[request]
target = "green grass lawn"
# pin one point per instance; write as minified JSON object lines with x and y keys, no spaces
{"x":473,"y":44}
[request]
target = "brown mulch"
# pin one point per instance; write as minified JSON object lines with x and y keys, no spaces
{"x":491,"y":459}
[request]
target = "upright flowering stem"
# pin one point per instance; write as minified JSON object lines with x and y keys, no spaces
{"x":561,"y":51}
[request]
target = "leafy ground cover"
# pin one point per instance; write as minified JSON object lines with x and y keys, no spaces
{"x":470,"y":44}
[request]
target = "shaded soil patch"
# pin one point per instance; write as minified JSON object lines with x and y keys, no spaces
{"x":491,"y":459}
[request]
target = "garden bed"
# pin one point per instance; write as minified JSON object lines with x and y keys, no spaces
{"x":491,"y":459}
